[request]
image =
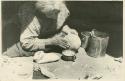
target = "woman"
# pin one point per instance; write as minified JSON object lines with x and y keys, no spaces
{"x":40,"y":21}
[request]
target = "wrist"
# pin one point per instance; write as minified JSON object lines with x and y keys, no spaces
{"x":48,"y":41}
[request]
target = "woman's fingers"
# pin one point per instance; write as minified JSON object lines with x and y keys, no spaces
{"x":64,"y":44}
{"x":65,"y":47}
{"x":60,"y":41}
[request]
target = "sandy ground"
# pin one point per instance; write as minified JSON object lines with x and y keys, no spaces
{"x":84,"y":67}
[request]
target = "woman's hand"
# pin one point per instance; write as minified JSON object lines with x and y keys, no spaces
{"x":60,"y":41}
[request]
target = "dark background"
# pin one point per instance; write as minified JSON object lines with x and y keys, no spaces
{"x":106,"y":16}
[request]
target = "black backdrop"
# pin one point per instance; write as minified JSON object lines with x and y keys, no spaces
{"x":106,"y":16}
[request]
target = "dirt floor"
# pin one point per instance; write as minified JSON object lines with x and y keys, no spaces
{"x":84,"y":67}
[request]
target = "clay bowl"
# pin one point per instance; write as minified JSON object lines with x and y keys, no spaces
{"x":68,"y":58}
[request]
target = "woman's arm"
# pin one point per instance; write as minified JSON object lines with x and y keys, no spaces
{"x":30,"y":29}
{"x":29,"y":37}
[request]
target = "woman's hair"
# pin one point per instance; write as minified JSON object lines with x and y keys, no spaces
{"x":48,"y":6}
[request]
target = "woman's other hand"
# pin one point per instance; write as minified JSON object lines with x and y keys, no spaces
{"x":60,"y":41}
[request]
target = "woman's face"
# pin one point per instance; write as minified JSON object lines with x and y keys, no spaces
{"x":52,"y":14}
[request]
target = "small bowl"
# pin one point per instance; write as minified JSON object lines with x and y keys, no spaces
{"x":68,"y":58}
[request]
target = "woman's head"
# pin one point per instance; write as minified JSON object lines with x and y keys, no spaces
{"x":50,"y":8}
{"x":53,"y":9}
